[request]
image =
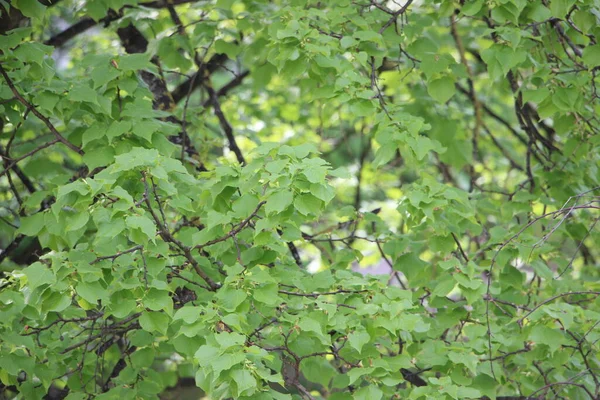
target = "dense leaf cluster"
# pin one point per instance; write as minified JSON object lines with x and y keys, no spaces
{"x":192,"y":191}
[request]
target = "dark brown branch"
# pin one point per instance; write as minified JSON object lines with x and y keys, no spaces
{"x":166,"y":235}
{"x":36,"y":331}
{"x":181,"y":91}
{"x":225,"y":125}
{"x":395,"y":16}
{"x":176,"y":19}
{"x":35,"y":112}
{"x":135,"y":43}
{"x":11,"y":163}
{"x":60,"y":39}
{"x":294,"y":251}
{"x":24,"y":178}
{"x":315,"y":295}
{"x":117,"y":326}
{"x":525,"y":349}
{"x":473,"y":97}
{"x":117,"y":255}
{"x":504,"y":152}
{"x":79,"y":27}
{"x":495,"y":116}
{"x":551,"y":299}
{"x":5,"y":155}
{"x":232,"y":84}
{"x":462,"y":252}
{"x":119,"y":366}
{"x":561,"y":33}
{"x":234,"y":231}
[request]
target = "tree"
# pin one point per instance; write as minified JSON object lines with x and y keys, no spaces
{"x":190,"y":190}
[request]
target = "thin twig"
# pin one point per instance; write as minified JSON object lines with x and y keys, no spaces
{"x":35,"y":112}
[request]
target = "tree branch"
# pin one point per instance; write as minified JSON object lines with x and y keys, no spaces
{"x":197,"y":80}
{"x":225,"y":125}
{"x":35,"y":112}
{"x":61,"y":38}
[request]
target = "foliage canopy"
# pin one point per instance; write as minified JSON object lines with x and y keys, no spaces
{"x":190,"y":190}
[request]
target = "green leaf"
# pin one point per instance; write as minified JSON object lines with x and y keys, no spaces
{"x":433,"y":64}
{"x":117,"y":128}
{"x":142,"y":358}
{"x":227,"y":340}
{"x":99,"y":157}
{"x":244,"y":381}
{"x":206,"y":355}
{"x":103,"y":73}
{"x":38,"y":274}
{"x":30,"y":8}
{"x":308,"y":324}
{"x":133,"y":62}
{"x":308,"y":204}
{"x":230,"y":298}
{"x":500,"y":59}
{"x":32,"y":52}
{"x":384,"y":154}
{"x":226,"y":361}
{"x":348,"y":41}
{"x":94,"y":132}
{"x":189,"y":314}
{"x":441,"y":89}
{"x":472,"y":7}
{"x":143,"y":223}
{"x":83,"y":93}
{"x":267,"y":294}
{"x":468,"y":360}
{"x":146,"y":129}
{"x":358,"y":339}
{"x":560,"y":8}
{"x":552,"y":338}
{"x":370,"y":392}
{"x":591,"y":55}
{"x":154,"y":322}
{"x":278,"y":202}
{"x":32,"y":225}
{"x":323,"y":192}
{"x":157,"y":300}
{"x":228,"y":48}
{"x":91,"y":291}
{"x":315,"y":174}
{"x":245,"y":205}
